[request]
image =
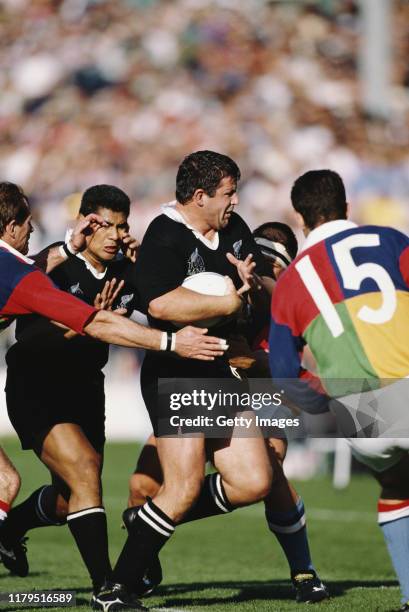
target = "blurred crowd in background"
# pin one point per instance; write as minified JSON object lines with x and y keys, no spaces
{"x":119,"y":91}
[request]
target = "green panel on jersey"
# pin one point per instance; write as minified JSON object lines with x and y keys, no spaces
{"x":339,"y":358}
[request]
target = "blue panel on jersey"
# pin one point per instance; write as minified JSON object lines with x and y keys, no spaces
{"x":386,"y":255}
{"x":12,"y":270}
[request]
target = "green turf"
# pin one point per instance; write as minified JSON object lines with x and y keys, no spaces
{"x":227,"y":563}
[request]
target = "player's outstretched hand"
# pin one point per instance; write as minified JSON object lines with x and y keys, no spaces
{"x":193,"y":343}
{"x":246,"y":272}
{"x":85,"y":227}
{"x":130,"y":247}
{"x":107,"y":297}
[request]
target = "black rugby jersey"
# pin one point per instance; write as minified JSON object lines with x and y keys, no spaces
{"x":39,"y":341}
{"x":170,"y":252}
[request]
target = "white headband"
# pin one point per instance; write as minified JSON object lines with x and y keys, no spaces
{"x":274,"y":250}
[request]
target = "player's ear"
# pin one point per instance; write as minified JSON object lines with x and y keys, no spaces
{"x":198,"y":197}
{"x":299,"y":220}
{"x":10,"y":229}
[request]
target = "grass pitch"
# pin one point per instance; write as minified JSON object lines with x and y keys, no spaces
{"x":225,"y":563}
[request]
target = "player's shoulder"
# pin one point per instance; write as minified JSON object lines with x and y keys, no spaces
{"x":161,"y":222}
{"x":384,"y":230}
{"x":13,"y":267}
{"x":71,"y":266}
{"x":121,"y":265}
{"x":393,"y":241}
{"x":236,"y":221}
{"x":163,"y":230}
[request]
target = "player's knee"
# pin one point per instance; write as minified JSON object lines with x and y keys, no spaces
{"x":141,"y":487}
{"x":260,"y":487}
{"x":252,"y":486}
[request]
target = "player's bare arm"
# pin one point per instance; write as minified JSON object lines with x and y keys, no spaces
{"x":52,"y":256}
{"x":190,"y":341}
{"x":185,"y":306}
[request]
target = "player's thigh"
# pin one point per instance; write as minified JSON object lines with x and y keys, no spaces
{"x":182,"y":459}
{"x":67,"y":452}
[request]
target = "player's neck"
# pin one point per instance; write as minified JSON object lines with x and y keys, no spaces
{"x":94,"y":261}
{"x":195,"y":221}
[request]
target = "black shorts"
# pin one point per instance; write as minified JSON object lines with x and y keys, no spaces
{"x":38,"y":399}
{"x":159,"y":366}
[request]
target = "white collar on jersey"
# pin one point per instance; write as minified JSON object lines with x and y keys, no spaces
{"x":5,"y":245}
{"x":326,"y":230}
{"x":169,"y":209}
{"x":89,"y":266}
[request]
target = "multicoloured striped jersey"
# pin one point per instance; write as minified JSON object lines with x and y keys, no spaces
{"x":346,"y":295}
{"x":24,"y":289}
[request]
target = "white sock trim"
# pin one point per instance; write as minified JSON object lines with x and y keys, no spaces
{"x":158,"y":518}
{"x":215,"y":496}
{"x":392,"y":515}
{"x":146,"y":518}
{"x":288,"y":528}
{"x":80,"y":513}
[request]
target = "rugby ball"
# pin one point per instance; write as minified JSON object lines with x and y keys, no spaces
{"x":206,"y":283}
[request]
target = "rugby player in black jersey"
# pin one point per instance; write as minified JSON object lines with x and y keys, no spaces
{"x":284,"y":508}
{"x":57,"y":408}
{"x":199,"y":232}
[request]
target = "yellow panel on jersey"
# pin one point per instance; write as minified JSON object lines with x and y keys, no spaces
{"x":386,"y":345}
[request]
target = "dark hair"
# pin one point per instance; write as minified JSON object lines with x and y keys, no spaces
{"x":13,"y":205}
{"x":104,"y":196}
{"x":203,"y":170}
{"x":319,"y":196}
{"x":278,"y":232}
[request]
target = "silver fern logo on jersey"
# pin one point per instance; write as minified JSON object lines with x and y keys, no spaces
{"x":76,"y":289}
{"x":125,"y":299}
{"x":237,"y":249}
{"x":195,"y":263}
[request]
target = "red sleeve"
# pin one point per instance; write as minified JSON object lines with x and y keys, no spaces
{"x":35,"y":293}
{"x":404,"y":264}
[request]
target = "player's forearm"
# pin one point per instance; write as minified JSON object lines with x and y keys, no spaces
{"x":115,"y":329}
{"x":185,"y":306}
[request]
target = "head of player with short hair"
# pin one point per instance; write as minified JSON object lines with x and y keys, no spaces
{"x":206,"y":189}
{"x":15,"y":217}
{"x":113,"y":205}
{"x":319,"y":196}
{"x":278,"y":245}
